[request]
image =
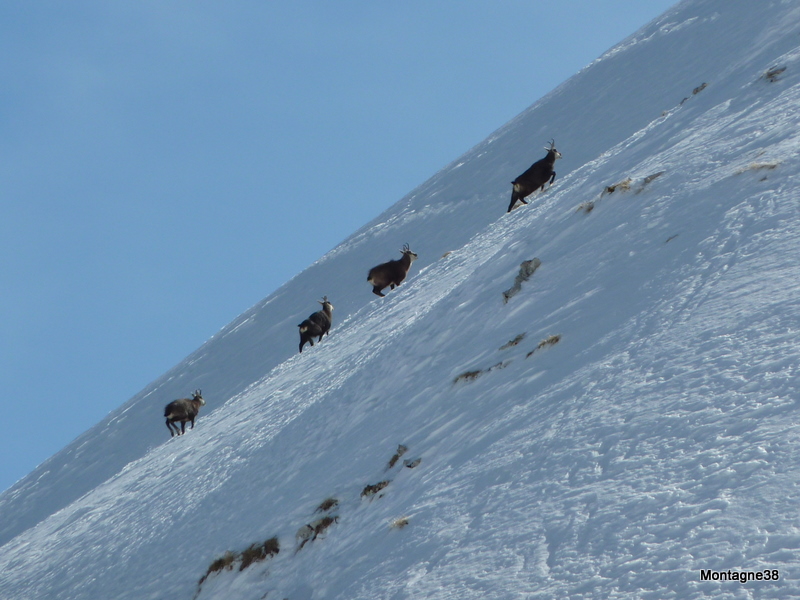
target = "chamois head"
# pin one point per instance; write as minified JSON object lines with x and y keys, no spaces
{"x":326,"y":306}
{"x":552,"y":148}
{"x":406,"y":251}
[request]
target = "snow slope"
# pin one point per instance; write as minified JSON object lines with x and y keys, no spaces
{"x":654,"y":439}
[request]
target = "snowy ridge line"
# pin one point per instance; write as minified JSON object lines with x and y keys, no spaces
{"x":661,"y":26}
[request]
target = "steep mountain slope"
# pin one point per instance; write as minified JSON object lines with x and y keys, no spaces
{"x":649,"y":439}
{"x":600,"y":107}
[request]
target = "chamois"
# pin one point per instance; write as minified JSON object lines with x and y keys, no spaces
{"x":181,"y":411}
{"x":317,"y":324}
{"x":535,"y":177}
{"x":391,"y":273}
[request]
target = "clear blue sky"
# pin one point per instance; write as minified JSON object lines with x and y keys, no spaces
{"x":166,"y":165}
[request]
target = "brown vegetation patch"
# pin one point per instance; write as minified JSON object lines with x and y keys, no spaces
{"x":512,"y":343}
{"x":548,"y":341}
{"x":468,"y":376}
{"x":649,"y":179}
{"x":473,"y":375}
{"x":259,"y":552}
{"x":327,"y":505}
{"x":223,"y":562}
{"x":401,"y":449}
{"x":371,"y":490}
{"x":758,"y":166}
{"x":772,"y":75}
{"x":255,"y":553}
{"x":399,"y":523}
{"x":320,"y":525}
{"x":695,"y":91}
{"x":526,"y":270}
{"x":622,"y":186}
{"x":412,"y":463}
{"x":310,"y":532}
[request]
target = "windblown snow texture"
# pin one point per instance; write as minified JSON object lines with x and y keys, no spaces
{"x":643,"y":428}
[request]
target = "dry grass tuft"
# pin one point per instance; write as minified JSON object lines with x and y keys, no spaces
{"x":650,"y":178}
{"x":371,"y":490}
{"x":399,"y":523}
{"x":468,"y":376}
{"x":322,"y":524}
{"x":327,"y":505}
{"x":473,"y":375}
{"x":512,"y":343}
{"x":526,"y":270}
{"x":401,"y":449}
{"x":758,"y":167}
{"x":259,"y":552}
{"x":310,"y":532}
{"x":622,"y":186}
{"x":695,"y":91}
{"x":223,"y":562}
{"x":548,"y":341}
{"x":772,"y":75}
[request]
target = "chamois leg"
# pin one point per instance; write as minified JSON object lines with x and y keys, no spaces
{"x":171,"y":431}
{"x":514,"y":197}
{"x":377,"y":291}
{"x":183,"y":427}
{"x":553,"y":178}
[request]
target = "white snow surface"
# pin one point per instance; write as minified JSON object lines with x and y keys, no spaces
{"x":656,"y":438}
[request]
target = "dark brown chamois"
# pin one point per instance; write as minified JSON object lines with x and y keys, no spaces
{"x":535,"y":177}
{"x":317,"y":324}
{"x":391,"y":273}
{"x":183,"y":411}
